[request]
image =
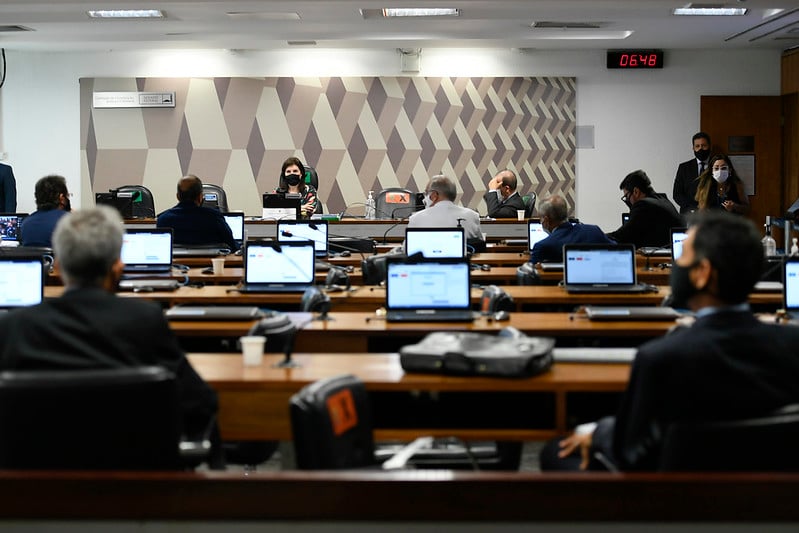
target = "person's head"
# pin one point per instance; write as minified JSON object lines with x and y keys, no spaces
{"x":508,"y":186}
{"x":438,"y":189}
{"x":292,"y":174}
{"x":635,"y":186}
{"x":190,"y":189}
{"x":720,"y":167}
{"x":87,"y":244}
{"x":553,"y":212}
{"x":701,"y":144}
{"x":721,"y":261}
{"x":51,"y":193}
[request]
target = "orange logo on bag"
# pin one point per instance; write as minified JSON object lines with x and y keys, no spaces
{"x":341,"y":409}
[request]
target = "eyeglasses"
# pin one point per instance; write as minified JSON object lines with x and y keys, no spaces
{"x":625,"y":197}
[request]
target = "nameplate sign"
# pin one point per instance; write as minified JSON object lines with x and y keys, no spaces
{"x":133,"y":99}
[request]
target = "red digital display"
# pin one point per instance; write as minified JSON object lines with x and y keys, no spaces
{"x":635,"y":59}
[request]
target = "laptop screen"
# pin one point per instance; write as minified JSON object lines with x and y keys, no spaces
{"x":535,"y":233}
{"x":235,"y":221}
{"x":599,"y":264}
{"x":301,"y":230}
{"x":425,"y":284}
{"x":21,"y":281}
{"x":277,"y":206}
{"x":9,"y":226}
{"x":436,"y":243}
{"x":147,"y":248}
{"x":791,"y":284}
{"x":270,"y":262}
{"x":677,"y":236}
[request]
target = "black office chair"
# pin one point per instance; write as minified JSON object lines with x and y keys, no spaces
{"x":214,"y":196}
{"x":142,"y":204}
{"x":312,"y":178}
{"x":765,"y":444}
{"x":529,"y":204}
{"x":121,"y":418}
{"x":395,"y":202}
{"x":373,"y":269}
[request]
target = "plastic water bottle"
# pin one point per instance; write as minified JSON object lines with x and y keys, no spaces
{"x":769,"y":244}
{"x":370,"y":206}
{"x":794,"y":247}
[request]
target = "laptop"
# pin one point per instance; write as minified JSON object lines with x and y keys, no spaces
{"x":436,"y":243}
{"x":677,"y":236}
{"x":535,"y":233}
{"x":607,"y":313}
{"x":21,"y":281}
{"x":272,"y":266}
{"x":279,"y":206}
{"x":315,"y":231}
{"x":235,"y":221}
{"x":213,"y":312}
{"x":428,"y":290}
{"x":122,"y":202}
{"x":790,"y":293}
{"x":147,"y":251}
{"x":9,"y":228}
{"x":601,"y":268}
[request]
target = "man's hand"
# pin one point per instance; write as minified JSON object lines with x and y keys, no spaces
{"x":572,"y":442}
{"x":495,"y":183}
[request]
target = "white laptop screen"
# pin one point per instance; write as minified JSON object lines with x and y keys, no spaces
{"x":677,"y":236}
{"x":438,"y":243}
{"x":791,"y":285}
{"x":21,"y":282}
{"x":235,"y":222}
{"x":600,"y":265}
{"x":299,"y":230}
{"x":535,"y":233}
{"x":279,"y":264}
{"x":142,"y":247}
{"x":428,"y":285}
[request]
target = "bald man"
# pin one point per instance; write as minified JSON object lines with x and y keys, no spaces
{"x":555,"y":221}
{"x":501,"y":197}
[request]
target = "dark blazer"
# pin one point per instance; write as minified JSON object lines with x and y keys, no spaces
{"x":651,"y":220}
{"x":503,"y":209}
{"x":728,"y":365}
{"x":685,"y":183}
{"x":192,"y":224}
{"x":550,"y":249}
{"x":92,"y":328}
{"x":8,"y":190}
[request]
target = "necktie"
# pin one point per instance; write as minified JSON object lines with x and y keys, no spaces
{"x":701,"y":167}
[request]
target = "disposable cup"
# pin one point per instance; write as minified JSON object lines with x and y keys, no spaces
{"x":218,"y":264}
{"x":252,"y":349}
{"x":520,"y":214}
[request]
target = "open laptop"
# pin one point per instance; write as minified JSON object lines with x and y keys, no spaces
{"x":535,"y":233}
{"x":9,"y":228}
{"x":315,"y":231}
{"x":436,"y":243}
{"x":428,"y":290}
{"x":279,"y":206}
{"x":21,"y":281}
{"x":677,"y":236}
{"x":147,"y":251}
{"x":790,"y":294}
{"x":601,"y":268}
{"x":272,"y":266}
{"x":235,"y":221}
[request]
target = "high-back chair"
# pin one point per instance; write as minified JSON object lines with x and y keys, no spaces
{"x":529,"y":204}
{"x":142,"y":204}
{"x":395,"y":202}
{"x":214,"y":196}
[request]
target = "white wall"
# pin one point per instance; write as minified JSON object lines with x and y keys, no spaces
{"x":641,"y":119}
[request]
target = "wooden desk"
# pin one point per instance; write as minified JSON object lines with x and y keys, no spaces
{"x":253,"y":401}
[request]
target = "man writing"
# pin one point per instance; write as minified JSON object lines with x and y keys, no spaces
{"x":554,"y":220}
{"x":501,"y":197}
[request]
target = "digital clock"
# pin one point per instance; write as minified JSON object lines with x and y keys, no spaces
{"x":635,"y":59}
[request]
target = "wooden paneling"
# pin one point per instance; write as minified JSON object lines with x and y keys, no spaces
{"x":790,"y":135}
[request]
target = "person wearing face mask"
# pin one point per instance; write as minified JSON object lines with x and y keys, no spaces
{"x":292,"y":180}
{"x":685,"y":181}
{"x":554,"y":220}
{"x":441,"y":212}
{"x":727,"y":365}
{"x":652,"y":215}
{"x":721,"y":188}
{"x":52,"y":203}
{"x":501,"y":198}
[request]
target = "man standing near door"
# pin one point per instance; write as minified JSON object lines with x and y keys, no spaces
{"x":685,"y":181}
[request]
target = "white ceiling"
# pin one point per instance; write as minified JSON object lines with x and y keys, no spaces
{"x":64,"y":25}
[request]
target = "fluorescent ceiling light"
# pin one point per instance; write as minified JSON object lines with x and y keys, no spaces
{"x":717,"y":11}
{"x":263,"y":15}
{"x":126,"y":14}
{"x":578,"y":34}
{"x":421,"y":12}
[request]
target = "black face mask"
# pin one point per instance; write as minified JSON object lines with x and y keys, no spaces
{"x":292,"y":179}
{"x":67,"y":205}
{"x":702,"y":155}
{"x":682,"y":289}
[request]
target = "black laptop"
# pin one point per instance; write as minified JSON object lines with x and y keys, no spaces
{"x":428,"y":290}
{"x":272,"y":266}
{"x":677,"y":236}
{"x":280,"y":206}
{"x":9,"y":227}
{"x":235,"y":221}
{"x":21,"y":281}
{"x":436,"y":243}
{"x":147,"y":251}
{"x":601,"y":268}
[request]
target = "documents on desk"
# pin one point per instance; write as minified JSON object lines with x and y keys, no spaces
{"x":594,"y":355}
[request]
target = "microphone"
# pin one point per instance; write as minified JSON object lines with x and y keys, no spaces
{"x":385,"y":235}
{"x":344,"y":211}
{"x":412,"y":208}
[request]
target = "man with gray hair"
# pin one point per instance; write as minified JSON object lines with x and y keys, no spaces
{"x":555,"y":222}
{"x":441,"y":212}
{"x":89,"y":327}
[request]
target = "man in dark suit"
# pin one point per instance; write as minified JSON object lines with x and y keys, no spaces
{"x":193,"y":224}
{"x":501,"y":197}
{"x":52,"y":203}
{"x":685,"y":181}
{"x":8,"y":190}
{"x":554,"y":219}
{"x":728,"y":365}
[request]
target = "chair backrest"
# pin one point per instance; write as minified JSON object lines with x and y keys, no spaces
{"x":122,"y":418}
{"x":143,"y":204}
{"x":395,"y":202}
{"x":374,"y":270}
{"x":331,"y":425}
{"x":312,"y":178}
{"x":214,"y":196}
{"x":766,"y":444}
{"x":529,"y":204}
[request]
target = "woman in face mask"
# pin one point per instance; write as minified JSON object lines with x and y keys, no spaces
{"x":292,"y":180}
{"x":721,"y":188}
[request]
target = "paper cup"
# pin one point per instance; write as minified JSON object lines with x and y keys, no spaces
{"x":252,"y":349}
{"x":219,"y":265}
{"x":520,"y":214}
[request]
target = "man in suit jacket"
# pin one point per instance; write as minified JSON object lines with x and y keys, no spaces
{"x":441,"y":212}
{"x":8,"y":190}
{"x":728,"y":365}
{"x":90,"y":327}
{"x":501,"y":197}
{"x":685,"y":181}
{"x":192,"y":223}
{"x":52,"y":203}
{"x":554,"y":220}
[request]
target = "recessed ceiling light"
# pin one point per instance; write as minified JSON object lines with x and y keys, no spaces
{"x":260,"y":15}
{"x":713,"y":11}
{"x":126,"y":14}
{"x":421,"y":12}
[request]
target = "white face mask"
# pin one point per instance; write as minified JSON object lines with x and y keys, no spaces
{"x":721,"y":175}
{"x":427,"y":201}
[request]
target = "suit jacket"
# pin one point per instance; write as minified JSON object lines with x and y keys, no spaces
{"x":728,"y":365}
{"x":685,"y":183}
{"x":8,"y":190}
{"x":92,"y":328}
{"x":37,"y":229}
{"x":550,"y":249}
{"x":651,"y":220}
{"x":505,"y":208}
{"x":445,"y":214}
{"x":193,"y":224}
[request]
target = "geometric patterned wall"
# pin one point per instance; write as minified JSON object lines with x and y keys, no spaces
{"x":361,"y":134}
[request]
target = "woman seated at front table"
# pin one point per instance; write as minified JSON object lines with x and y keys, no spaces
{"x":292,"y":180}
